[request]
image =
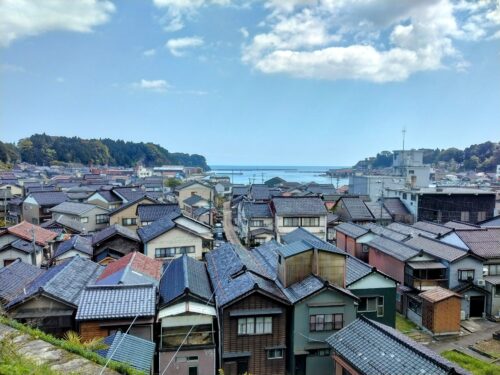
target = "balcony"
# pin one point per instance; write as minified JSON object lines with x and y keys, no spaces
{"x":426,"y":275}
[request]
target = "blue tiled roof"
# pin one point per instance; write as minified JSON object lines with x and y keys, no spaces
{"x":153,"y":212}
{"x":15,"y":277}
{"x":184,"y":274}
{"x":297,"y":235}
{"x":117,"y":301}
{"x":303,"y":288}
{"x":231,"y":278}
{"x":193,"y":199}
{"x":64,"y":281}
{"x":79,"y":243}
{"x":129,"y":349}
{"x":373,"y":348}
{"x":25,"y":246}
{"x":157,"y":227}
{"x":256,"y":210}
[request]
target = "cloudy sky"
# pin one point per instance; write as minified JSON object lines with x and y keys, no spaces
{"x":276,"y":82}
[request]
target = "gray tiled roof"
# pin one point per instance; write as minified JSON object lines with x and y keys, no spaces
{"x":460,"y":225}
{"x":298,"y":235}
{"x":117,"y":301}
{"x":130,"y":194}
{"x":493,"y":222}
{"x":377,"y":212}
{"x":184,"y":274}
{"x":409,"y":230}
{"x":256,"y":210}
{"x":356,"y":269}
{"x":136,"y":352}
{"x":356,"y":209}
{"x":351,"y":229}
{"x":79,"y":243}
{"x":49,"y":198}
{"x":66,"y":222}
{"x":373,"y":348}
{"x":73,"y":208}
{"x":298,"y":247}
{"x":111,"y":231}
{"x":303,"y":288}
{"x":153,"y":212}
{"x":395,"y":206}
{"x":157,"y":227}
{"x":15,"y":277}
{"x":65,"y":281}
{"x":240,"y":190}
{"x":393,"y":248}
{"x":437,"y":229}
{"x":260,"y":192}
{"x":231,"y":279}
{"x":25,"y":246}
{"x":386,"y":232}
{"x":192,"y":200}
{"x":437,"y":248}
{"x":299,"y":206}
{"x":483,"y":242}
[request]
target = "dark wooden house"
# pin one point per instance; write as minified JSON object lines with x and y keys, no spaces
{"x":114,"y":242}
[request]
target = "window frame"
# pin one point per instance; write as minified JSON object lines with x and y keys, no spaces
{"x":466,"y":271}
{"x":125,"y":221}
{"x":98,"y":219}
{"x":326,"y":322}
{"x":84,"y":219}
{"x":275,"y":355}
{"x":247,"y":326}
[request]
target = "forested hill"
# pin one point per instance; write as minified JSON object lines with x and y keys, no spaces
{"x":481,"y":157}
{"x":42,"y":149}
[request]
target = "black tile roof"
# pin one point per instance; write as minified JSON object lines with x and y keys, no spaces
{"x":352,"y":230}
{"x":49,"y":198}
{"x":15,"y":277}
{"x":256,"y":210}
{"x":112,"y":230}
{"x":153,"y":212}
{"x":158,"y":227}
{"x":299,"y":206}
{"x":373,"y":348}
{"x":357,"y":209}
{"x":393,"y":248}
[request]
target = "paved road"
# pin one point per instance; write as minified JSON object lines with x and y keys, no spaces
{"x":228,"y":225}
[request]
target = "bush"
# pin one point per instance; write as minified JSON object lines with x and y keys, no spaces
{"x":474,"y":365}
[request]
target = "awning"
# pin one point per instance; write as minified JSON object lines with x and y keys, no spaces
{"x":256,"y":312}
{"x":427,"y":265}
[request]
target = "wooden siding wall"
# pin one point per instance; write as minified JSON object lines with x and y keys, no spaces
{"x":90,"y":330}
{"x":298,"y":267}
{"x":331,"y":267}
{"x":443,"y":316}
{"x":255,"y":344}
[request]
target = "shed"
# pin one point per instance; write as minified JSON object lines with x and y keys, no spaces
{"x":441,"y":311}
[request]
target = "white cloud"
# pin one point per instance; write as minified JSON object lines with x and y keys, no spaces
{"x":157,"y":85}
{"x":149,"y":52}
{"x":178,"y":10}
{"x":374,"y":40}
{"x":23,"y":18}
{"x":244,"y":32}
{"x":177,"y":47}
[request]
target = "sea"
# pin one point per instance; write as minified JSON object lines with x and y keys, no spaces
{"x":255,"y":174}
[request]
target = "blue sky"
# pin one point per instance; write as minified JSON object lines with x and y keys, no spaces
{"x":290,"y":82}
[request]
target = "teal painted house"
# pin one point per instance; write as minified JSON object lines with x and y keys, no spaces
{"x":312,"y":275}
{"x":376,"y":291}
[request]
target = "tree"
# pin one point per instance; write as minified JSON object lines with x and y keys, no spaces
{"x":171,"y":182}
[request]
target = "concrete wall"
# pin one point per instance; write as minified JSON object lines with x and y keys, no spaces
{"x":175,"y":238}
{"x":13,"y":254}
{"x":179,"y":366}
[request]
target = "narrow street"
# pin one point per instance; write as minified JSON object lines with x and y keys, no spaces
{"x":228,"y":225}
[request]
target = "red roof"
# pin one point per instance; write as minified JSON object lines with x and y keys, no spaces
{"x":138,"y":262}
{"x":26,"y":231}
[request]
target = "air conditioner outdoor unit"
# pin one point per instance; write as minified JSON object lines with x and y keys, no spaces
{"x":462,"y":315}
{"x":480,"y":282}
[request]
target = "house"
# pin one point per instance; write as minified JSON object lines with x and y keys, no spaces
{"x":50,"y":301}
{"x":129,"y":193}
{"x":441,"y":311}
{"x":14,"y":278}
{"x":193,"y":202}
{"x":106,"y":309}
{"x":76,"y":245}
{"x":174,"y":235}
{"x":134,"y":268}
{"x":36,"y":206}
{"x":105,"y":199}
{"x":398,"y":211}
{"x":356,"y":210}
{"x":126,"y":215}
{"x":120,"y":345}
{"x":15,"y":210}
{"x":190,"y":188}
{"x":255,"y":223}
{"x":366,"y":347}
{"x":252,"y":313}
{"x":293,"y":212}
{"x":93,"y":217}
{"x":320,"y":302}
{"x":25,"y":241}
{"x":186,"y":299}
{"x":442,"y":204}
{"x":113,"y":243}
{"x":147,"y":213}
{"x":438,"y":230}
{"x":65,"y":225}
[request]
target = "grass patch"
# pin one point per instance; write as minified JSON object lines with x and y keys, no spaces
{"x":71,"y":347}
{"x":474,"y":365}
{"x":404,"y":325}
{"x":12,"y":363}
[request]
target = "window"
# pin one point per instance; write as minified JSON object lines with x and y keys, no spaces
{"x":465,"y":275}
{"x":464,"y":216}
{"x":372,"y":304}
{"x":481,"y":215}
{"x":84,"y":219}
{"x":415,"y":306}
{"x":319,"y":352}
{"x":275,"y":353}
{"x":129,"y":221}
{"x":413,"y":197}
{"x":325,"y":322}
{"x":405,"y":196}
{"x":380,"y":306}
{"x":310,"y":221}
{"x":411,"y":171}
{"x":493,"y":269}
{"x":255,"y":325}
{"x":101,"y":219}
{"x":497,"y":290}
{"x":291,"y":221}
{"x":256,"y":223}
{"x":170,"y":252}
{"x":145,"y":223}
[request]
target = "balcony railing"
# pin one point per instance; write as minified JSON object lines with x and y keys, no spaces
{"x":421,"y":284}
